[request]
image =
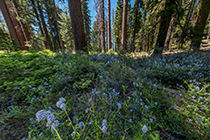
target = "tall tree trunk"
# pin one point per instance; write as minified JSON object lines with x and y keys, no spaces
{"x":102,"y":25}
{"x":37,"y":17}
{"x":47,"y":37}
{"x":26,"y":28}
{"x":124,"y":26}
{"x":200,"y":24}
{"x":59,"y":35}
{"x":164,"y":25}
{"x":109,"y":25}
{"x":77,"y":25}
{"x":169,"y":32}
{"x":135,"y":30}
{"x":99,"y":32}
{"x":39,"y":23}
{"x":51,"y":26}
{"x":14,"y":27}
{"x":133,"y":41}
{"x":186,"y":24}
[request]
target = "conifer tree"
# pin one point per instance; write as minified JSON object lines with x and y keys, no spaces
{"x":14,"y":26}
{"x":109,"y":24}
{"x":102,"y":24}
{"x":165,"y":19}
{"x":117,"y":25}
{"x":77,"y":25}
{"x":136,"y":18}
{"x":124,"y":25}
{"x":86,"y":20}
{"x":200,"y":24}
{"x":95,"y":40}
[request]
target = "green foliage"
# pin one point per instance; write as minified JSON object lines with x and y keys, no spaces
{"x":86,"y":20}
{"x":128,"y":93}
{"x":5,"y":39}
{"x":117,"y":27}
{"x":95,"y":42}
{"x":66,"y":30}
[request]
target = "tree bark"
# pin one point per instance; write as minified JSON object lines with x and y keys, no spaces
{"x":59,"y":35}
{"x":14,"y":27}
{"x":164,"y":25}
{"x":135,"y":30}
{"x":200,"y":25}
{"x":25,"y":27}
{"x":124,"y":26}
{"x":169,"y":33}
{"x":39,"y":23}
{"x":102,"y":25}
{"x":109,"y":25}
{"x":77,"y":25}
{"x":186,"y":24}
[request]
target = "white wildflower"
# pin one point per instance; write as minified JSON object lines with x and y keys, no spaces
{"x":200,"y":120}
{"x":73,"y":133}
{"x":144,"y":129}
{"x":151,"y":120}
{"x":104,"y":126}
{"x":54,"y":124}
{"x":87,"y":110}
{"x":91,"y":122}
{"x":197,"y":89}
{"x":58,"y":104}
{"x":62,"y":99}
{"x":104,"y":129}
{"x":51,"y":118}
{"x":42,"y":115}
{"x":104,"y":123}
{"x":63,"y":106}
{"x":90,"y":100}
{"x":119,"y":105}
{"x":80,"y":125}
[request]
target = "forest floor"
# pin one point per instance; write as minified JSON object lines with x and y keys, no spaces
{"x":107,"y":96}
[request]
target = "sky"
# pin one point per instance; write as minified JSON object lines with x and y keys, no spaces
{"x":92,"y":7}
{"x":93,"y":10}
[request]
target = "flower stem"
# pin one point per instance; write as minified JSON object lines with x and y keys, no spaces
{"x":59,"y":137}
{"x":70,"y":121}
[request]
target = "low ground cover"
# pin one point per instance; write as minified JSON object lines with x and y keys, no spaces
{"x":104,"y":96}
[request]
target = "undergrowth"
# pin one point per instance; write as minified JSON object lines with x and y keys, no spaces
{"x":147,"y":98}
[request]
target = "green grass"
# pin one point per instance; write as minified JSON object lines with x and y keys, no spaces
{"x":168,"y":94}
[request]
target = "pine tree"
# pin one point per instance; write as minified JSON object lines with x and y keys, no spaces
{"x":136,"y":18}
{"x":48,"y":40}
{"x":117,"y":27}
{"x":109,"y":24}
{"x":86,"y":20}
{"x":124,"y":25}
{"x":200,"y":24}
{"x":66,"y":30}
{"x":58,"y":28}
{"x":185,"y":28}
{"x":102,"y":25}
{"x":164,"y":24}
{"x":14,"y":26}
{"x":95,"y":40}
{"x":77,"y":25}
{"x":24,"y":17}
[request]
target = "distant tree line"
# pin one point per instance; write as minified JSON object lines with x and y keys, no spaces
{"x":147,"y":25}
